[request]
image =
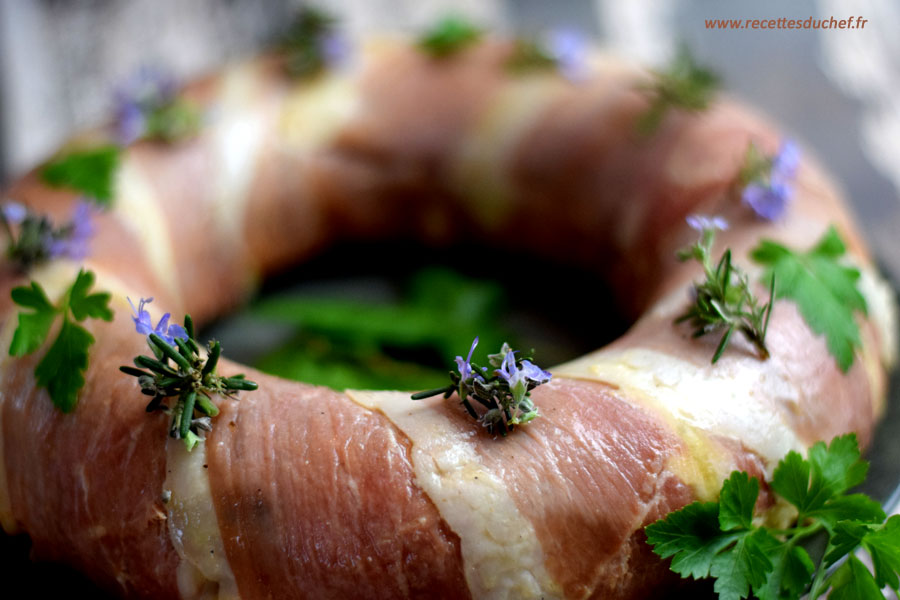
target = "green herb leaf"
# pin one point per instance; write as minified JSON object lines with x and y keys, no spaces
{"x":824,"y":290}
{"x":855,"y":506}
{"x":86,"y":305}
{"x":33,"y":326}
{"x":61,"y":371}
{"x":792,"y":570}
{"x":692,"y":536}
{"x":743,"y":567}
{"x":736,"y":501}
{"x":303,"y":42}
{"x":837,"y":467}
{"x":884,"y":547}
{"x":448,"y":36}
{"x":852,"y":581}
{"x":847,"y":535}
{"x":91,"y":172}
{"x":684,"y":85}
{"x":720,"y":540}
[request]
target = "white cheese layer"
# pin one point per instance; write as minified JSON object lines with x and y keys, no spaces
{"x":239,"y":128}
{"x":726,"y":399}
{"x":136,"y":206}
{"x":501,"y":554}
{"x":480,"y":170}
{"x":204,"y":572}
{"x":317,"y":109}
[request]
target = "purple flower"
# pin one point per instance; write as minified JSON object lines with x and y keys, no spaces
{"x":72,"y":241}
{"x":14,"y":213}
{"x":465,"y":367}
{"x":569,"y":48}
{"x":144,"y":326}
{"x":518,"y":377}
{"x":769,"y":196}
{"x":145,"y":91}
{"x":703,"y":223}
{"x":334,"y":48}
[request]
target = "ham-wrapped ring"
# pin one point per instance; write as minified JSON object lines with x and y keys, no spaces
{"x":303,"y":492}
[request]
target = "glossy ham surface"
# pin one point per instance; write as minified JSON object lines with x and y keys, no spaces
{"x":303,"y":492}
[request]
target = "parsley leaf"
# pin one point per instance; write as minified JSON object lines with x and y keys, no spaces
{"x":824,"y":290}
{"x":33,"y":326}
{"x":61,"y":370}
{"x":792,"y":569}
{"x":737,"y":500}
{"x":743,"y":567}
{"x":692,"y":536}
{"x":884,"y":547}
{"x":719,"y":539}
{"x":85,"y":305}
{"x":852,"y":581}
{"x":91,"y":172}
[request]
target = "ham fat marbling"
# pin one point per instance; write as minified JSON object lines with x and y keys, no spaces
{"x":303,"y":492}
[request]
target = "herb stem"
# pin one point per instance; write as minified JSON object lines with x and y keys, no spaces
{"x":187,"y":413}
{"x":434,"y":392}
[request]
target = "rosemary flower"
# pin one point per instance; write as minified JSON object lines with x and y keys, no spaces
{"x":179,"y":379}
{"x":33,"y":239}
{"x":165,"y":330}
{"x":147,"y":106}
{"x":768,"y":182}
{"x":569,"y":48}
{"x":504,"y":398}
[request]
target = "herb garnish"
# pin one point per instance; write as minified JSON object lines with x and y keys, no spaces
{"x":448,"y":36}
{"x":61,"y":371}
{"x":505,"y":396}
{"x":35,"y":239}
{"x":719,"y":539}
{"x":530,"y":55}
{"x":91,"y":172}
{"x":148,"y":107}
{"x":767,"y":181}
{"x":312,"y":44}
{"x":723,"y":301}
{"x":684,"y":85}
{"x":563,"y":49}
{"x":189,"y":377}
{"x":824,"y":290}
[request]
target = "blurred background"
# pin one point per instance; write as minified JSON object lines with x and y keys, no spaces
{"x":836,"y":90}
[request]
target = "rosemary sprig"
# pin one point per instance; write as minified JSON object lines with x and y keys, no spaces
{"x":504,"y":398}
{"x":529,"y":54}
{"x":723,"y":300}
{"x":33,"y":238}
{"x":448,"y":36}
{"x":311,"y":43}
{"x":685,"y":85}
{"x":176,"y":370}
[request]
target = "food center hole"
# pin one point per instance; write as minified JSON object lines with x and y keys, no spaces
{"x":392,"y":315}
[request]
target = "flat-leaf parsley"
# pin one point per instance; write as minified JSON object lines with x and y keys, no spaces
{"x":61,"y":371}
